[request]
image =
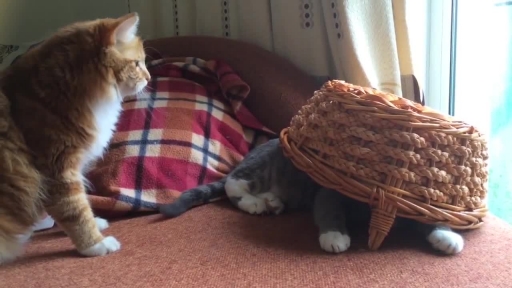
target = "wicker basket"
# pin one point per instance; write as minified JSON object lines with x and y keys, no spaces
{"x":400,"y":157}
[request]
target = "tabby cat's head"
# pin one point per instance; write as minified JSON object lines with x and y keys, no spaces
{"x":102,"y":52}
{"x":124,"y":53}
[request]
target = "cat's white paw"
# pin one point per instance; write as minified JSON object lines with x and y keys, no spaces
{"x":10,"y":249}
{"x":10,"y":256}
{"x":252,"y":205}
{"x":101,"y":223}
{"x":446,"y":241}
{"x":24,"y":238}
{"x":106,"y":246}
{"x":334,"y":241}
{"x":236,"y":188}
{"x":272,"y":203}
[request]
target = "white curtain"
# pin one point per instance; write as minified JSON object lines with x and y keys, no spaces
{"x":365,"y":42}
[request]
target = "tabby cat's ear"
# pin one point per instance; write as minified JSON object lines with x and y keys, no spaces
{"x":126,"y":27}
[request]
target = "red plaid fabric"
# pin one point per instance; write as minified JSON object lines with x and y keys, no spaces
{"x":191,"y":129}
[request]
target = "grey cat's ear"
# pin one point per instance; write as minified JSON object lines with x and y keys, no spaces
{"x":127,"y":27}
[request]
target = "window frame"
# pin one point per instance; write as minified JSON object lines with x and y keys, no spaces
{"x":440,"y":69}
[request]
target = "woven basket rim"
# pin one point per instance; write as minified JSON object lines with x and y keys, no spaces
{"x":292,"y":153}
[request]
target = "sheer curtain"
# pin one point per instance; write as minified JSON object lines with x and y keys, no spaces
{"x":364,"y":42}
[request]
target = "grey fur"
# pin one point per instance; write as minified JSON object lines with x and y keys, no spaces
{"x":267,"y":169}
{"x":195,"y":196}
{"x":329,"y":212}
{"x":267,"y":182}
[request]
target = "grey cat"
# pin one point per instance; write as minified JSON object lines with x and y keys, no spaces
{"x":267,"y":182}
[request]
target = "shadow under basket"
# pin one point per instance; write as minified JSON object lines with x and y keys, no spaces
{"x":400,"y":157}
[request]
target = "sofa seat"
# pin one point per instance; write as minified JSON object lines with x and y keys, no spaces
{"x":216,"y":245}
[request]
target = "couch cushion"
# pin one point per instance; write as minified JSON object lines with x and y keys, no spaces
{"x":217,"y":246}
{"x":278,"y":87}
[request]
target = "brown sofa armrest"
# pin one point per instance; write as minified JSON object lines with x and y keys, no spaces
{"x":278,"y":88}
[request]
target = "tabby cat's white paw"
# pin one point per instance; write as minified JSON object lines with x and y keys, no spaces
{"x":10,"y":250}
{"x":101,"y":223}
{"x":106,"y":246}
{"x":24,"y":238}
{"x":446,"y":241}
{"x":334,"y":241}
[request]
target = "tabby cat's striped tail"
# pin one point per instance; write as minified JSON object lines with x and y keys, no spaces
{"x":193,"y":197}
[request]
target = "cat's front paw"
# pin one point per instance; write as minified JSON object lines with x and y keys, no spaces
{"x":252,"y":205}
{"x":106,"y":246}
{"x":24,"y":238}
{"x":101,"y":223}
{"x":446,"y":241}
{"x":334,"y":241}
{"x":10,"y":250}
{"x":273,"y":204}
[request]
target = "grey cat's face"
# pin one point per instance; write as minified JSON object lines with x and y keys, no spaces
{"x":268,"y":172}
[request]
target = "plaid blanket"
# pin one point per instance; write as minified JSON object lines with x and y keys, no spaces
{"x":191,"y":129}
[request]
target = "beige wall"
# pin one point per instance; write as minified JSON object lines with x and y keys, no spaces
{"x":31,"y":20}
{"x":156,"y":17}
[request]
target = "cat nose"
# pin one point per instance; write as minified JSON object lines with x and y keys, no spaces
{"x":147,"y":77}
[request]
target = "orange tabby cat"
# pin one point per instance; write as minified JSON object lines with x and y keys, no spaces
{"x":59,"y":104}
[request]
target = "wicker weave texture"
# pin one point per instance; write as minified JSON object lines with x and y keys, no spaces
{"x":402,"y":158}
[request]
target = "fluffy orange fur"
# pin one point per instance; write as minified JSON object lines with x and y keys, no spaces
{"x":52,"y":101}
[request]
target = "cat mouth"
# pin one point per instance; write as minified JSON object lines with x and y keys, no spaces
{"x":141,"y":86}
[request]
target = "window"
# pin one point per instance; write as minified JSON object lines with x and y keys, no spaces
{"x":480,"y":86}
